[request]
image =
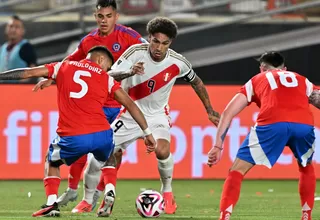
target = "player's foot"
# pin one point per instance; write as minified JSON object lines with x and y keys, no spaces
{"x":106,"y":206}
{"x":83,"y":206}
{"x":48,"y":211}
{"x":225,"y":215}
{"x":306,"y":215}
{"x":170,"y":205}
{"x":95,"y":199}
{"x":69,"y":195}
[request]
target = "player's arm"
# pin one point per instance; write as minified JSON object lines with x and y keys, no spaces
{"x":199,"y":87}
{"x":24,"y":73}
{"x":314,"y":98}
{"x":123,"y":98}
{"x":119,"y":75}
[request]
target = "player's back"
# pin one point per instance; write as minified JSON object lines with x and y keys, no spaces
{"x":82,"y":90}
{"x":282,"y":97}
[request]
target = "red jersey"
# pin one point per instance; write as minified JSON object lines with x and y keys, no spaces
{"x":282,"y":96}
{"x":82,"y":89}
{"x":117,"y":42}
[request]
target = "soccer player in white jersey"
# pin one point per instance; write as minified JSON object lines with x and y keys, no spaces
{"x":150,"y":92}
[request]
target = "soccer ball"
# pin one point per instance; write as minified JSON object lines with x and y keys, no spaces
{"x":150,"y":204}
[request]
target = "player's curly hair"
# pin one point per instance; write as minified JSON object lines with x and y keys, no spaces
{"x":163,"y":25}
{"x":106,"y":3}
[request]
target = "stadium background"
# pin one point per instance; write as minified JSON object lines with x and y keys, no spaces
{"x":221,"y":38}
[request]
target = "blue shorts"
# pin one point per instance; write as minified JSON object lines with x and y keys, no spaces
{"x":264,"y":144}
{"x":71,"y":148}
{"x":111,"y":113}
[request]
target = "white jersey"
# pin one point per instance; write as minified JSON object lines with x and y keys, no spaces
{"x":151,"y":91}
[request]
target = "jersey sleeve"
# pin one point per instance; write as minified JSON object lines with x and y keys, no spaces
{"x":133,"y":37}
{"x":53,"y":69}
{"x":127,"y":59}
{"x":78,"y":54}
{"x":112,"y":86}
{"x":310,"y":87}
{"x":186,"y":71}
{"x":247,"y":90}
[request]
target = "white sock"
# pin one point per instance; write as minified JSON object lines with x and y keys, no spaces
{"x":51,"y":199}
{"x":91,"y":179}
{"x":165,"y":168}
{"x":109,"y":187}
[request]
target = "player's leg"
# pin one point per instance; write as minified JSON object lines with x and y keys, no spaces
{"x":111,"y":114}
{"x":262,"y":146}
{"x":161,"y":131}
{"x":112,"y":176}
{"x":302,"y":145}
{"x":62,"y":150}
{"x":75,"y":171}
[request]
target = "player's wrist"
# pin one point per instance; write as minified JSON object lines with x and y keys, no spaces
{"x":220,"y":148}
{"x":147,"y":132}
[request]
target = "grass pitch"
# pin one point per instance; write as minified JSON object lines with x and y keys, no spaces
{"x":196,"y":199}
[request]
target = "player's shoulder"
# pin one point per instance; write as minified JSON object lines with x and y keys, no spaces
{"x":90,"y":35}
{"x":126,"y":31}
{"x":177,"y":57}
{"x":136,"y":48}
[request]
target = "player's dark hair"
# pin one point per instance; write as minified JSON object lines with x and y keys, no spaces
{"x":106,"y":3}
{"x":16,"y":17}
{"x":102,"y":49}
{"x":163,"y":25}
{"x":272,"y":58}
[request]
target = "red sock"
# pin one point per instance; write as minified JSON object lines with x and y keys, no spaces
{"x":307,"y":188}
{"x":230,"y":194}
{"x":75,"y":172}
{"x":101,"y":184}
{"x":109,"y":175}
{"x":51,"y":185}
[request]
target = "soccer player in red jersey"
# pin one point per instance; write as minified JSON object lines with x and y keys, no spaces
{"x":282,"y":121}
{"x":83,"y":87}
{"x":117,"y":38}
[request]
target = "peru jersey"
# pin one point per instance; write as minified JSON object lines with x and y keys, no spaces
{"x":82,"y":89}
{"x":117,"y":42}
{"x":151,"y":91}
{"x":282,"y":96}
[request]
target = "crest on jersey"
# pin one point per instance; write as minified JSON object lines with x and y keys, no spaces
{"x":116,"y":47}
{"x":166,"y":76}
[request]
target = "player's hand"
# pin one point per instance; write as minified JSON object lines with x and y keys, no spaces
{"x":150,"y":143}
{"x":138,"y":68}
{"x":42,"y":84}
{"x":214,"y":155}
{"x":214,"y":117}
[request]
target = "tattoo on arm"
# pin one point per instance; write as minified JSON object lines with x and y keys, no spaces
{"x":120,"y":75}
{"x":202,"y":93}
{"x":13,"y":74}
{"x":314,"y":98}
{"x":223,"y":136}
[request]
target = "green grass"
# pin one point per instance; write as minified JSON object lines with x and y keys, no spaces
{"x":197,"y":199}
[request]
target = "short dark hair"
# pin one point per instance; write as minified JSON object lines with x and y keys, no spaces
{"x":163,"y":25}
{"x":106,"y":3}
{"x":272,"y":58}
{"x":104,"y":50}
{"x":16,"y":17}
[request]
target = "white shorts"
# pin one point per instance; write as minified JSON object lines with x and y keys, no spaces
{"x":126,"y":130}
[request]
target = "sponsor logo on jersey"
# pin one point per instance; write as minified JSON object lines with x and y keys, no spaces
{"x":116,"y":47}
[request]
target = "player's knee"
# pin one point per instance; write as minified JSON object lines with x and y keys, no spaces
{"x":56,"y":164}
{"x":163,"y":149}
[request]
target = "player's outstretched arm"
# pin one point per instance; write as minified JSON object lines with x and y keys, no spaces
{"x":202,"y":93}
{"x":119,"y":75}
{"x":235,"y":106}
{"x":24,"y":73}
{"x":123,"y":98}
{"x":314,"y":98}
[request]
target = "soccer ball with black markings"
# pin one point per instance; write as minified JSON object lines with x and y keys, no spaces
{"x":150,"y":204}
